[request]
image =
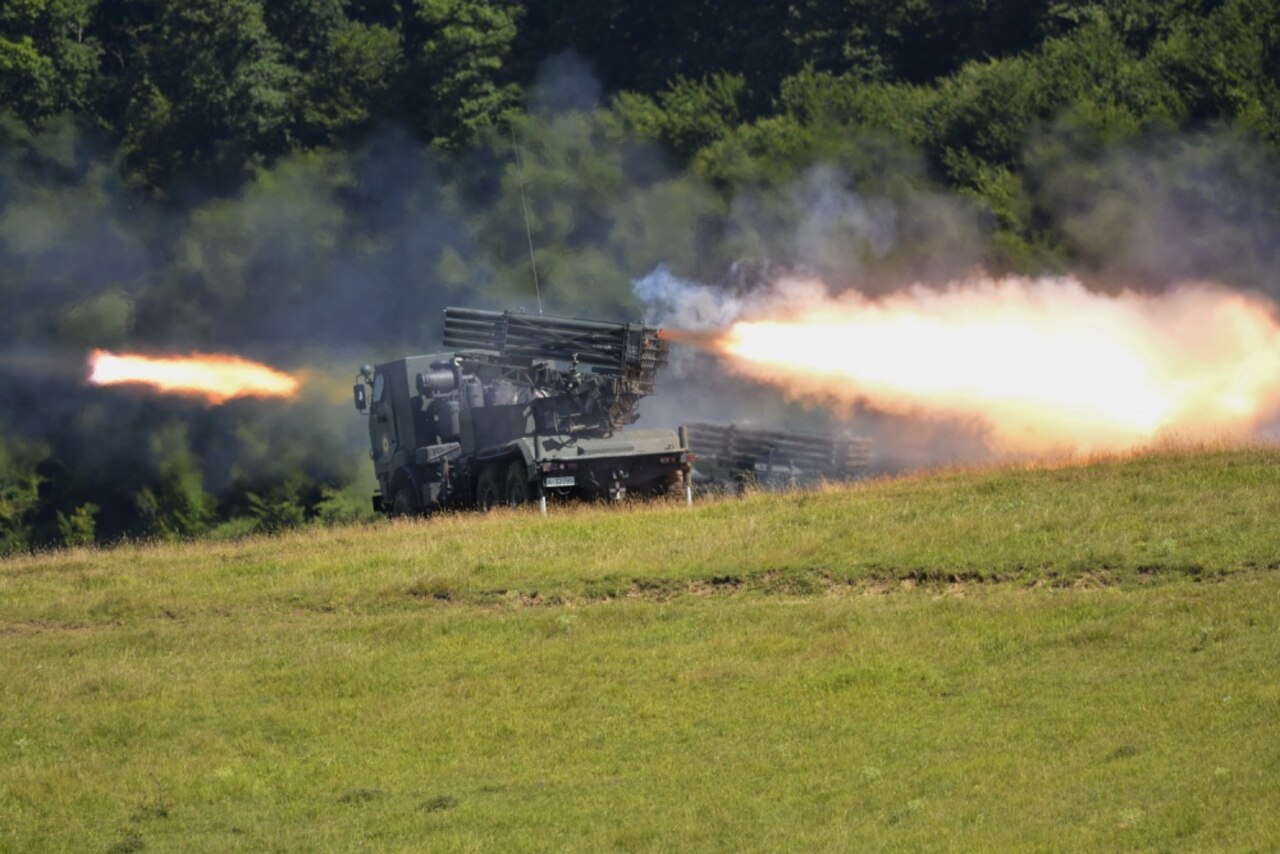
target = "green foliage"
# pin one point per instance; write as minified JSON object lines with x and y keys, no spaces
{"x":689,"y":115}
{"x":212,"y":89}
{"x":913,"y":42}
{"x":48,"y":63}
{"x":177,"y":505}
{"x":1223,"y":64}
{"x":277,"y":510}
{"x":356,"y":83}
{"x":647,"y":46}
{"x":77,"y":529}
{"x":902,"y":111}
{"x":1004,"y":193}
{"x":215,"y":97}
{"x":19,"y":492}
{"x":348,"y":503}
{"x":304,"y":27}
{"x":465,"y":59}
{"x":26,"y":77}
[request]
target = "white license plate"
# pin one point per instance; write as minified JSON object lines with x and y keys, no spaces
{"x":563,"y":480}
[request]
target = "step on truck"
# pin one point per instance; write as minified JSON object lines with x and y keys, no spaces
{"x":520,"y":407}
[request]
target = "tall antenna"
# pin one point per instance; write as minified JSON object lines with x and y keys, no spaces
{"x":524,"y":206}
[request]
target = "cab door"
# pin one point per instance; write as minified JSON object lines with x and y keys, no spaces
{"x":382,"y":421}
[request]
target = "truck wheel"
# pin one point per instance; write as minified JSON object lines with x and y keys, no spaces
{"x":405,"y":500}
{"x":517,"y":485}
{"x":488,"y":490}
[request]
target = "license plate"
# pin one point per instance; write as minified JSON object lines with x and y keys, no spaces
{"x":563,"y":480}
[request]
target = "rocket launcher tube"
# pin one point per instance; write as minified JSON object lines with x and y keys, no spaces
{"x":488,"y":317}
{"x":630,"y":349}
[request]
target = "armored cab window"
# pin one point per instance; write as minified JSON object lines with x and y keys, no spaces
{"x":379,"y":387}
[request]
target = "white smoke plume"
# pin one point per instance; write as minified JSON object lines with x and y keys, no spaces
{"x":668,"y":299}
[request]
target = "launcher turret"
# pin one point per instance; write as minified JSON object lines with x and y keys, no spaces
{"x":628,"y":350}
{"x":588,"y":374}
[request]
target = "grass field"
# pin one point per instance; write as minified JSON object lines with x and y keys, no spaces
{"x":1057,"y":658}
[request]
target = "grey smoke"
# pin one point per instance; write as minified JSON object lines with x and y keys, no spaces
{"x":838,"y":227}
{"x":566,"y":83}
{"x":669,"y":300}
{"x":1172,"y":208}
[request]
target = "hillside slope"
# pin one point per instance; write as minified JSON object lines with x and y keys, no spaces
{"x":1070,"y":657}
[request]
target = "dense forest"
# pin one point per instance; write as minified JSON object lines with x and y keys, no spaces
{"x":309,"y":181}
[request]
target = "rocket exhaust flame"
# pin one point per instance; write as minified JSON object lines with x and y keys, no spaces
{"x":707,"y":339}
{"x":1046,"y":365}
{"x":211,"y":377}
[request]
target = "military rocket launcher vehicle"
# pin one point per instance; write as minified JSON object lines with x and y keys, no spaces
{"x":734,"y":456}
{"x":524,"y":406}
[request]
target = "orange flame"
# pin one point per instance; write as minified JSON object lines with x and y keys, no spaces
{"x":1046,"y":364}
{"x":212,"y":377}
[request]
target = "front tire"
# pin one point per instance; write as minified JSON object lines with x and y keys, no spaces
{"x":404,"y":501}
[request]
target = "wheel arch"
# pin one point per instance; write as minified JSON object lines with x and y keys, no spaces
{"x":402,"y":475}
{"x":525,"y":450}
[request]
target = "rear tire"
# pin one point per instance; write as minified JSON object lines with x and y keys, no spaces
{"x":488,"y":490}
{"x":517,"y":485}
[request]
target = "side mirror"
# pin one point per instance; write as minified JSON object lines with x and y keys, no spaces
{"x":362,"y":402}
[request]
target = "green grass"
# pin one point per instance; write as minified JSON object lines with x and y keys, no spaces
{"x":1059,"y":658}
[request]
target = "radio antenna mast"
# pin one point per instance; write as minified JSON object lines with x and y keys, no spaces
{"x":524,"y":206}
